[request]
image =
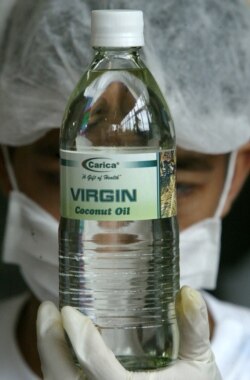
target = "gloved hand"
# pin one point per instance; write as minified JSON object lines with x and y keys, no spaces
{"x":196,"y":360}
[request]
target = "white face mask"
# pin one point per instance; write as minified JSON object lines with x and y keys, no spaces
{"x":31,"y":242}
{"x":200,"y":244}
{"x":200,"y":254}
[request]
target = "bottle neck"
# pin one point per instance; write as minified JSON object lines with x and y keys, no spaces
{"x":115,"y":58}
{"x":110,"y":51}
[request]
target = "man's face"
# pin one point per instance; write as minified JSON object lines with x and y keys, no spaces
{"x":200,"y":178}
{"x":200,"y":181}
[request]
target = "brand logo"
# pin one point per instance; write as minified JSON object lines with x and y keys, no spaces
{"x":100,"y":164}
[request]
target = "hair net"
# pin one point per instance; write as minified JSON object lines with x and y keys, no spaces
{"x":203,"y":49}
{"x":204,"y":52}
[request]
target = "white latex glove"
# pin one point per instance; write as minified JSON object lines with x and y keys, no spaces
{"x":196,"y":360}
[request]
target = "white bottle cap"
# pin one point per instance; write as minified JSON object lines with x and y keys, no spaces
{"x":117,"y":28}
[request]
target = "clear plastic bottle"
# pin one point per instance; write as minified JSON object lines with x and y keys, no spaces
{"x":118,"y":234}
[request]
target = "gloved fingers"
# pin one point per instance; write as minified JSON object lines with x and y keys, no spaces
{"x":193,"y":324}
{"x":93,"y":355}
{"x":56,"y":358}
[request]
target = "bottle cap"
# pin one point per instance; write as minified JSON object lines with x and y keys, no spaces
{"x":117,"y":28}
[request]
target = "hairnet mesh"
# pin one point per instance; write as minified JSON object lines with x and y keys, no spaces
{"x":204,"y":54}
{"x":45,"y":51}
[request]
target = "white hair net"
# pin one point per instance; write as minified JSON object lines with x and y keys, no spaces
{"x":204,"y":51}
{"x":45,"y":49}
{"x":203,"y":48}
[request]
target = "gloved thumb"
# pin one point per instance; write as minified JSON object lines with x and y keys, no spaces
{"x":94,"y":356}
{"x":56,"y":358}
{"x":193,"y":325}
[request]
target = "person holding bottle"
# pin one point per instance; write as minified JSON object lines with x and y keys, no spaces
{"x":45,"y":49}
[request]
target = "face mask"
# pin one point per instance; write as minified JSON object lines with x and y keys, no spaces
{"x":31,"y":240}
{"x":200,"y":244}
{"x":200,"y":253}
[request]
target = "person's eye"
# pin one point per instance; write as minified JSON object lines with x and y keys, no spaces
{"x":184,"y":189}
{"x":54,"y":155}
{"x":52,"y":177}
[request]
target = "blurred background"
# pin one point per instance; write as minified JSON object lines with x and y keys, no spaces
{"x":234,"y":272}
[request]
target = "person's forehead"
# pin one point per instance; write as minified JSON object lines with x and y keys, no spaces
{"x":50,"y":139}
{"x":53,"y":137}
{"x":188,"y":159}
{"x":46,"y":145}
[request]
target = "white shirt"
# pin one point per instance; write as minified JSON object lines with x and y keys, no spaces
{"x":231,"y":341}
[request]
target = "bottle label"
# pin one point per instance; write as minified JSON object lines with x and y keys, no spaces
{"x":129,"y":186}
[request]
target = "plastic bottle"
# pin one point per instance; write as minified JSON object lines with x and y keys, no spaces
{"x":118,"y":230}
